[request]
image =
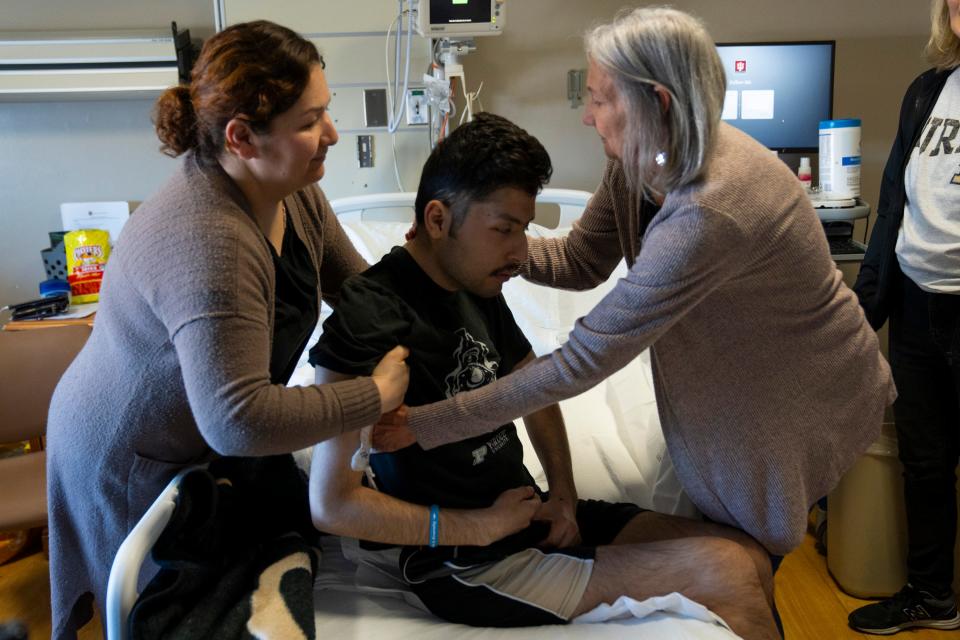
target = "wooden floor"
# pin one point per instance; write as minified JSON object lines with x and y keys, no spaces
{"x":25,"y":596}
{"x":812,"y":607}
{"x":810,"y":604}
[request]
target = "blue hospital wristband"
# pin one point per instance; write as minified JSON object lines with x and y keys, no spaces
{"x":434,"y":525}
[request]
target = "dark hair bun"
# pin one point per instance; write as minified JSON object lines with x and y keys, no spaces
{"x":176,"y":121}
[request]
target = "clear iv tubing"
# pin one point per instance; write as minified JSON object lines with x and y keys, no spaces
{"x":396,"y":108}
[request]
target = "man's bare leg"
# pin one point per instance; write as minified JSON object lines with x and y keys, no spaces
{"x":714,"y":572}
{"x":652,"y":527}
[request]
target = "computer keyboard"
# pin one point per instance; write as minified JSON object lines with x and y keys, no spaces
{"x":845,"y":246}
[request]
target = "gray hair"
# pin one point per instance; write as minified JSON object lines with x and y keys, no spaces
{"x":660,"y":46}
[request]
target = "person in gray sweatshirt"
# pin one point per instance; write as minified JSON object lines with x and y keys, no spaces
{"x":769,"y":381}
{"x":210,"y":295}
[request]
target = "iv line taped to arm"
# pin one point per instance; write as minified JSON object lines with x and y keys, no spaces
{"x":361,"y":457}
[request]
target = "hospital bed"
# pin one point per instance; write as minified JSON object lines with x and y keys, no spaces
{"x":615,"y":439}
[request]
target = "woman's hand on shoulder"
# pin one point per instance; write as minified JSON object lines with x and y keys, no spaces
{"x":392,"y":375}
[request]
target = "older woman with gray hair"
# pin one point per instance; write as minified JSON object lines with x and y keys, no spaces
{"x":769,"y":381}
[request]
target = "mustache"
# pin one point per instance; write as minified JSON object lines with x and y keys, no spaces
{"x":513,"y":269}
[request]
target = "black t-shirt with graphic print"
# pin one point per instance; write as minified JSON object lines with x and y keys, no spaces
{"x":457,"y":341}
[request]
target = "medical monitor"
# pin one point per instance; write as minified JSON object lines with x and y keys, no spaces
{"x":460,"y":18}
{"x":778,"y":92}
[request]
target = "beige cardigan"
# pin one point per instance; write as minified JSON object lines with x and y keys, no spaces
{"x":769,"y":381}
{"x":176,"y":370}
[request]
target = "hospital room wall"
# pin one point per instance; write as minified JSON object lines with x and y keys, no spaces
{"x":53,"y":152}
{"x":524,"y":70}
{"x":878,"y":53}
{"x":63,"y":151}
{"x":71,"y":151}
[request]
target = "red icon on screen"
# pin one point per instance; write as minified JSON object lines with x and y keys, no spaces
{"x":740,"y":66}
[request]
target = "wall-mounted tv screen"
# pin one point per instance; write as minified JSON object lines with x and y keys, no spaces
{"x":778,"y":92}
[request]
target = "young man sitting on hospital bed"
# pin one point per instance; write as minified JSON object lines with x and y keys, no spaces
{"x":464,"y":525}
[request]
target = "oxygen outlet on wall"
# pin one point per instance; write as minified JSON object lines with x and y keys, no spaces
{"x":365,"y":151}
{"x":417,"y":107}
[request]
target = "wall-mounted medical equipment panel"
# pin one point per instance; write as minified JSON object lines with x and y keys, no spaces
{"x":50,"y":66}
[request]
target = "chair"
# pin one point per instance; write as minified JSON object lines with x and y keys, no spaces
{"x":31,"y":363}
{"x":122,"y":590}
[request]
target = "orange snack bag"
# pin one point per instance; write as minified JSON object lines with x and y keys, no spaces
{"x":87,"y":252}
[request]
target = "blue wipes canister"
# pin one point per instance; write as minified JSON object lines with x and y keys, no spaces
{"x":840,"y":158}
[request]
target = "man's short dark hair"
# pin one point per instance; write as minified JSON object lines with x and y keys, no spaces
{"x":478,"y":158}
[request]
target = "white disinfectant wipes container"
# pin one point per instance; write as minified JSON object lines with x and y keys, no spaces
{"x":840,"y":158}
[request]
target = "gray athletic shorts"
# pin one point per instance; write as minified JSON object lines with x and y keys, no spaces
{"x":513,"y":583}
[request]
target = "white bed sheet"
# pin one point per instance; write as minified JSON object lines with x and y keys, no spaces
{"x":345,"y":610}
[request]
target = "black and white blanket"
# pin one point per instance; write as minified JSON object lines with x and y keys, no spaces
{"x":237,"y":559}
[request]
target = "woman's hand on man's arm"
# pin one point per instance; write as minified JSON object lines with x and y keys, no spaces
{"x":392,"y":375}
{"x":391,"y":433}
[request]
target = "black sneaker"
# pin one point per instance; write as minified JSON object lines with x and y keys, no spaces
{"x":907,"y":608}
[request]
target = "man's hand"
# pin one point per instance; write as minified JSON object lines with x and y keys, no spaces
{"x":391,"y":433}
{"x":562,"y":516}
{"x":512,"y":511}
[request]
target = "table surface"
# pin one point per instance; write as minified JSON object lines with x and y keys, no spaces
{"x":29,"y":325}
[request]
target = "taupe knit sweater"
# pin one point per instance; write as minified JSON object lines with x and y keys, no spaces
{"x":769,"y":381}
{"x":177,"y":368}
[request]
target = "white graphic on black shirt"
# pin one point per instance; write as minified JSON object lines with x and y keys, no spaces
{"x":474,"y":369}
{"x":499,"y":441}
{"x":479,"y":455}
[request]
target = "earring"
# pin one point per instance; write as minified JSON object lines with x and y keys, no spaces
{"x":660,"y":158}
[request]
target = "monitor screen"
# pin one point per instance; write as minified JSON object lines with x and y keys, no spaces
{"x":778,"y":92}
{"x":459,"y":11}
{"x":460,"y":18}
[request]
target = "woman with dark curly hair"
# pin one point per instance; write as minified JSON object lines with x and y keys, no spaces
{"x":207,"y":302}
